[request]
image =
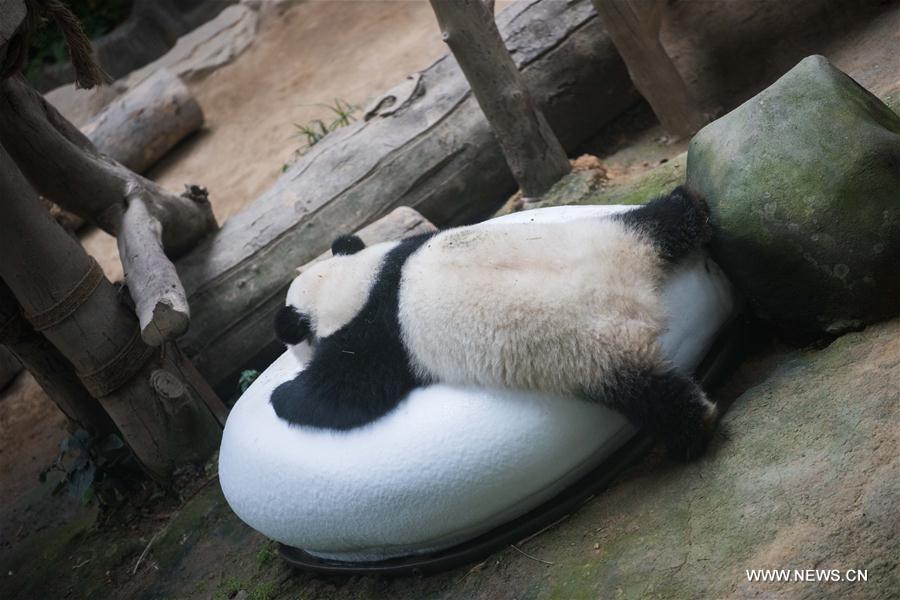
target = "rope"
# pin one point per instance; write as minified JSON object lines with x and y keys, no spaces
{"x":70,"y":302}
{"x":119,"y":369}
{"x":88,"y":72}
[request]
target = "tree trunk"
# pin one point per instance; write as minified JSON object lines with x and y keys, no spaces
{"x":49,"y":368}
{"x":64,"y":166}
{"x":434,"y":152}
{"x":65,"y":297}
{"x":534,"y":155}
{"x":140,"y":126}
{"x":633,"y":26}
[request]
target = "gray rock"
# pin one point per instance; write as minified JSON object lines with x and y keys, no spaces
{"x":196,"y":54}
{"x":150,"y":30}
{"x":804,"y":185}
{"x":212,"y":45}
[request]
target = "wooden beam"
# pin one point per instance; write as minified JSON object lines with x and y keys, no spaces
{"x":50,"y":369}
{"x":65,"y":296}
{"x":634,"y":27}
{"x":533,"y":153}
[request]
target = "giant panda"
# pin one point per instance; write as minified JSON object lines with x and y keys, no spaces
{"x":571,"y":308}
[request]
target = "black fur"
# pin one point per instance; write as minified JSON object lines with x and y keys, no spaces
{"x":347,"y":244}
{"x":666,"y":404}
{"x":291,"y":326}
{"x":362,"y":371}
{"x":677,"y":224}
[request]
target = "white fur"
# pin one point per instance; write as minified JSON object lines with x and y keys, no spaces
{"x":333,"y":291}
{"x":556,"y":307}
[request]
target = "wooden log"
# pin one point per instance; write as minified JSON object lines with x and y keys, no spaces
{"x":139,"y":127}
{"x":10,"y":367}
{"x":534,"y":155}
{"x":50,"y":369}
{"x":64,"y":166}
{"x":65,"y":296}
{"x":435,"y":153}
{"x":634,"y":26}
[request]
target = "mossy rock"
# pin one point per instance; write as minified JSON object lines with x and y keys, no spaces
{"x":804,"y":185}
{"x":580,"y":187}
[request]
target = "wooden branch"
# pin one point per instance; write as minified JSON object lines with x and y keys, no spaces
{"x":67,"y":299}
{"x":533,"y":152}
{"x":140,"y":126}
{"x":64,"y":166}
{"x":50,"y":369}
{"x":160,"y":302}
{"x":436,"y":154}
{"x":634,"y":26}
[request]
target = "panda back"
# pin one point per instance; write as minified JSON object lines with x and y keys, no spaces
{"x":537,"y":305}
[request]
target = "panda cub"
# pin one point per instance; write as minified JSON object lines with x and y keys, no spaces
{"x":571,"y":308}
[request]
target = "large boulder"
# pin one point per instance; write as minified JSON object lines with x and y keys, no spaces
{"x":804,"y":184}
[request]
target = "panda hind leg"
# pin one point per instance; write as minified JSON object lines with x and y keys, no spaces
{"x":676,"y":224}
{"x":668,"y":405}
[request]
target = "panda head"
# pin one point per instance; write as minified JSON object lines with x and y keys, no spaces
{"x":328,"y":294}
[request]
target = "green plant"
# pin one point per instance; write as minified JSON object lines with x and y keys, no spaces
{"x":247,"y":377}
{"x":316,"y":129}
{"x":266,"y":554}
{"x":93,"y":468}
{"x":229,"y":588}
{"x":264,"y":591}
{"x":344,"y":111}
{"x":313,"y":131}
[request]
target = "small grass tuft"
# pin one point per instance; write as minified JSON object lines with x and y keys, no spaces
{"x":264,"y":591}
{"x":267,"y":553}
{"x":315,"y":130}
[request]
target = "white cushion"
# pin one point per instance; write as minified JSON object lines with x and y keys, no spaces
{"x":450,"y":463}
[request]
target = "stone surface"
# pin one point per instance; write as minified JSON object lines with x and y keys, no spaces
{"x":804,"y":185}
{"x":210,"y":46}
{"x":808,"y":477}
{"x":578,"y":189}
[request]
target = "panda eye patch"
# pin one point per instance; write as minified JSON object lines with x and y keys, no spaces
{"x":291,"y":326}
{"x":347,"y":244}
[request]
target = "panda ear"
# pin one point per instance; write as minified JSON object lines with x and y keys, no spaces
{"x":291,"y":326}
{"x":347,"y":244}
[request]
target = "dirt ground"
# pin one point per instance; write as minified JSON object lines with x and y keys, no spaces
{"x":316,"y":52}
